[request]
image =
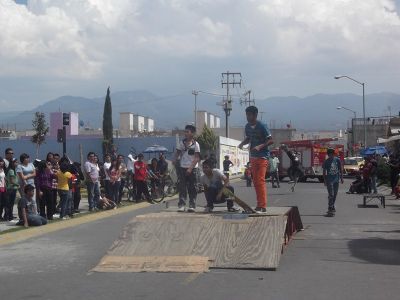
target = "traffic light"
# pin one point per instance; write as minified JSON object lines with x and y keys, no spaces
{"x":65,"y":119}
{"x":60,"y":136}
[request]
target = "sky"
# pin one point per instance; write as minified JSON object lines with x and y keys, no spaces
{"x":50,"y":48}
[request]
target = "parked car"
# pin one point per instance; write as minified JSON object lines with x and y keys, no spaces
{"x":352,"y":166}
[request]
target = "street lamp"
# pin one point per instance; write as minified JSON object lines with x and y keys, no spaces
{"x":195,"y":93}
{"x":352,"y":123}
{"x":363,"y":91}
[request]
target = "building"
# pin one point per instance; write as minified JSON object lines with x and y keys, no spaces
{"x":129,"y":124}
{"x":56,"y":122}
{"x":204,"y":118}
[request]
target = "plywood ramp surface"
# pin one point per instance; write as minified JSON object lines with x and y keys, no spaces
{"x":252,"y":243}
{"x":186,"y":264}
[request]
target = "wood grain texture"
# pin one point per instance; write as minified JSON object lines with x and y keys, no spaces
{"x":184,"y":264}
{"x":228,"y":243}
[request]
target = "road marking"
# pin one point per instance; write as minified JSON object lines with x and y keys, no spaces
{"x":13,"y":237}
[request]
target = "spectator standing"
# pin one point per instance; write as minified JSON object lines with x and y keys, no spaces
{"x":106,"y":169}
{"x":122,"y":179}
{"x":140,"y":179}
{"x":274,"y":170}
{"x":26,"y":173}
{"x":333,"y":173}
{"x":3,"y":192}
{"x":226,"y":165}
{"x":12,"y":188}
{"x":259,"y":137}
{"x":8,"y":157}
{"x":45,"y":177}
{"x":373,"y":170}
{"x":64,"y":190}
{"x":54,"y":168}
{"x":115,"y":175}
{"x":188,"y":155}
{"x":92,"y":183}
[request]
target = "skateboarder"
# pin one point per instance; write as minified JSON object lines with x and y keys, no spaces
{"x":333,"y":172}
{"x":295,"y":170}
{"x":213,"y":182}
{"x":259,"y":137}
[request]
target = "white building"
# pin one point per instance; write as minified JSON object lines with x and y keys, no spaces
{"x":130,"y":123}
{"x":206,"y":118}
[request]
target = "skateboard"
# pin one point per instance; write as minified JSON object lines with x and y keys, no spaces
{"x":238,"y":201}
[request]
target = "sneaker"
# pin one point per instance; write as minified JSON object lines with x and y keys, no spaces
{"x":65,"y":218}
{"x":181,"y":209}
{"x":208,"y":209}
{"x":260,"y":210}
{"x":191,"y":209}
{"x":333,"y":209}
{"x":233,"y":209}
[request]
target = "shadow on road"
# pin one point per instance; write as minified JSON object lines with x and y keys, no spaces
{"x":376,"y":251}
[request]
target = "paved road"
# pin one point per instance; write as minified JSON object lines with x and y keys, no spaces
{"x":355,"y":255}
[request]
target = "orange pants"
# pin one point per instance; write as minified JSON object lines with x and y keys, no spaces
{"x":259,"y":167}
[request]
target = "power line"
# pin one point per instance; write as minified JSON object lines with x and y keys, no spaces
{"x":228,"y":79}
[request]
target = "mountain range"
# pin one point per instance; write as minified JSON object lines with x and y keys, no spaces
{"x":316,"y":112}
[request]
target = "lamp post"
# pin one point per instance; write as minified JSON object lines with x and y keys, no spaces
{"x":352,"y":123}
{"x":363,"y":93}
{"x":195,"y":93}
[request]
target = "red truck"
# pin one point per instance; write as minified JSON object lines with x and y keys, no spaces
{"x":311,"y":153}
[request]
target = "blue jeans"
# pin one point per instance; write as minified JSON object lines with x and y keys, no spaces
{"x":333,"y":188}
{"x":93,"y":189}
{"x":65,"y":204}
{"x":36,"y":220}
{"x":114,"y":191}
{"x":211,"y":196}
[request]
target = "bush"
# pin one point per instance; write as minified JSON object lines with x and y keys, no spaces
{"x":383,"y":172}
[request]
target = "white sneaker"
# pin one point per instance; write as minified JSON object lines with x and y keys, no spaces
{"x":208,"y":209}
{"x":181,"y":209}
{"x":191,"y":209}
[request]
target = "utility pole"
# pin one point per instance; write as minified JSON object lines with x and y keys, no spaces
{"x":247,"y":101}
{"x":195,"y":93}
{"x":261,"y":113}
{"x":228,"y":79}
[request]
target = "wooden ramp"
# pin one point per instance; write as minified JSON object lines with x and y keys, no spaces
{"x":184,"y":242}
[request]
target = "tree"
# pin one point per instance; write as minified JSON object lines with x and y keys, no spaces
{"x":107,"y":124}
{"x":208,"y":141}
{"x":40,"y":127}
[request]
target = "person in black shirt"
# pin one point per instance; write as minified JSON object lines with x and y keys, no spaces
{"x":227,"y":164}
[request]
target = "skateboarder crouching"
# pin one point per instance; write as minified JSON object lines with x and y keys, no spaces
{"x":214,"y":181}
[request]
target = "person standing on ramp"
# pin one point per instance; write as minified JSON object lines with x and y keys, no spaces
{"x":188,"y":156}
{"x":259,"y":137}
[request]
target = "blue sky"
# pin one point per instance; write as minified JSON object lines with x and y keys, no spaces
{"x":292,"y":47}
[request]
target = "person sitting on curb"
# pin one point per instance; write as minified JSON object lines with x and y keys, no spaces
{"x":27,"y":209}
{"x":214,"y":181}
{"x":105,"y":203}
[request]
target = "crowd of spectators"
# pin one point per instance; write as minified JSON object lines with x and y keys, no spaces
{"x":51,"y":188}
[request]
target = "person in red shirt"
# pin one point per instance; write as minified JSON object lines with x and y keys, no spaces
{"x":140,"y":178}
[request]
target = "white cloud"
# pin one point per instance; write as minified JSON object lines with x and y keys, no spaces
{"x":120,"y":39}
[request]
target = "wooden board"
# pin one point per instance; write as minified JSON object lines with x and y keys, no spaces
{"x":271,"y":211}
{"x":251,"y":243}
{"x":185,"y":264}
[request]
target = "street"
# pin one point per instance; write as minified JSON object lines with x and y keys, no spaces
{"x":354,"y":255}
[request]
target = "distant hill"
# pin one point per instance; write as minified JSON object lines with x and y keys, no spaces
{"x":316,"y":112}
